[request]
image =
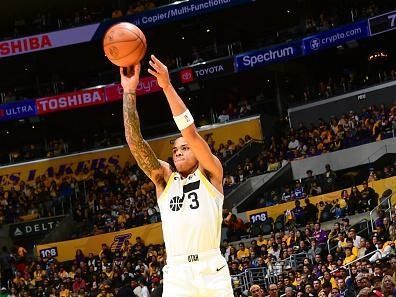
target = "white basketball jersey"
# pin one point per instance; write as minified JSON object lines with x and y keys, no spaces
{"x":191,"y":213}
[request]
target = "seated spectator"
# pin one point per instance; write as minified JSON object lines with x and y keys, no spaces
{"x":287,"y":195}
{"x":243,"y":252}
{"x":117,"y":13}
{"x":320,"y":235}
{"x":223,"y":117}
{"x":294,"y":144}
{"x":256,"y":291}
{"x":299,"y":191}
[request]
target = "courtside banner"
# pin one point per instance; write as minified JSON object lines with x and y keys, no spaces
{"x":382,"y":23}
{"x":173,"y":12}
{"x":83,"y":165}
{"x":147,"y":85}
{"x":66,"y":250}
{"x":18,"y":110}
{"x":206,"y":70}
{"x":82,"y":98}
{"x":214,"y":69}
{"x":46,"y":41}
{"x":335,"y":37}
{"x":34,"y":228}
{"x":265,"y":56}
{"x":276,"y":210}
{"x":181,"y":10}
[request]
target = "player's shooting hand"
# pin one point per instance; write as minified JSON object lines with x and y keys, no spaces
{"x":160,"y":71}
{"x":130,"y":77}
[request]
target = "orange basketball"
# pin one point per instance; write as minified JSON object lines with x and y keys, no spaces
{"x":124,"y":44}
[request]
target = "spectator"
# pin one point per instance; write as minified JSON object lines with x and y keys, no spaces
{"x":294,"y":144}
{"x":273,"y":290}
{"x":243,"y":252}
{"x":320,"y":235}
{"x":368,"y":197}
{"x":256,"y":291}
{"x":223,"y":117}
{"x":298,"y":213}
{"x":388,"y":287}
{"x":310,"y":211}
{"x":315,"y":249}
{"x":144,"y":290}
{"x":329,"y":179}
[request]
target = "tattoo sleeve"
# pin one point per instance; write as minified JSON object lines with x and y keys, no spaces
{"x":144,"y":155}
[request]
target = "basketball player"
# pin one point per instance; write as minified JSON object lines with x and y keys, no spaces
{"x":190,"y":199}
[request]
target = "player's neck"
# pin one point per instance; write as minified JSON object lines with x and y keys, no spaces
{"x":185,"y":174}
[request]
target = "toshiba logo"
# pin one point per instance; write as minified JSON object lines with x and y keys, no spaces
{"x":68,"y":101}
{"x":24,"y":45}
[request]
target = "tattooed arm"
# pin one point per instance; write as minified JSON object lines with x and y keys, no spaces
{"x":158,"y":171}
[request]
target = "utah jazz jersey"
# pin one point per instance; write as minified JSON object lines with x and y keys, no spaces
{"x":191,"y":213}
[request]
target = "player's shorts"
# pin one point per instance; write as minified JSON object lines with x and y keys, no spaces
{"x":201,"y":275}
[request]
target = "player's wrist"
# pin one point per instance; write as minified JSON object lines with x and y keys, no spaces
{"x":183,"y":120}
{"x":130,"y":91}
{"x":167,"y":87}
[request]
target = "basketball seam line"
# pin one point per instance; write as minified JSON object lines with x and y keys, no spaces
{"x":127,"y":53}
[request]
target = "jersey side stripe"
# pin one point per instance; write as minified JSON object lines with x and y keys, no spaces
{"x":211,"y":189}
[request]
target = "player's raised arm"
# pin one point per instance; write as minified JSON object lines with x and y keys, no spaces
{"x":156,"y":170}
{"x":185,"y":123}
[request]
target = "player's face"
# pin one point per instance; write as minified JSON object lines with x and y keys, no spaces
{"x":183,"y":157}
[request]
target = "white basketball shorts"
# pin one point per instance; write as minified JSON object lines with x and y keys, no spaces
{"x":200,"y":275}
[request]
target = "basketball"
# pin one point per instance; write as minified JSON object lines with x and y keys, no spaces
{"x":124,"y":44}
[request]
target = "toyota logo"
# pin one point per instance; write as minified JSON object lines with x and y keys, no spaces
{"x":186,"y":75}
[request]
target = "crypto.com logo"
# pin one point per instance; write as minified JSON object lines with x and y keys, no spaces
{"x":314,"y":44}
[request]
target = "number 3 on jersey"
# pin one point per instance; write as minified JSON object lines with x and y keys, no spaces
{"x":193,"y":198}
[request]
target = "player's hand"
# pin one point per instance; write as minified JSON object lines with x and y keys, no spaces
{"x":160,"y":71}
{"x":130,"y":77}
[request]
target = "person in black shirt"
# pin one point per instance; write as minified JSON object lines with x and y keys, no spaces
{"x":329,"y":179}
{"x":298,"y":213}
{"x":369,"y":197}
{"x":127,"y":290}
{"x":309,"y":180}
{"x":310,"y":211}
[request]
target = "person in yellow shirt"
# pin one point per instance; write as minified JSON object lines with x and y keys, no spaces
{"x":62,"y":274}
{"x":291,"y":239}
{"x":341,"y":240}
{"x":39,"y":274}
{"x":349,"y":257}
{"x":122,"y":218}
{"x":243,"y":252}
{"x":261,"y":240}
{"x":328,"y":277}
{"x":354,"y":249}
{"x":64,"y":292}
